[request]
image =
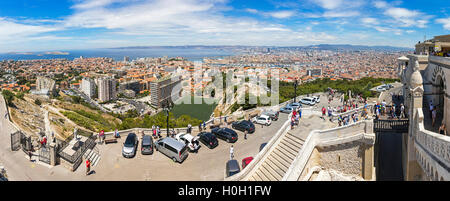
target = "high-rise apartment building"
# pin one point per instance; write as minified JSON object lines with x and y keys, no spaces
{"x":88,"y":87}
{"x":106,"y":89}
{"x":161,"y":90}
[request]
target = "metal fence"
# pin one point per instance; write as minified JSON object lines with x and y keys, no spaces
{"x":74,"y":158}
{"x":44,"y":154}
{"x":391,"y":125}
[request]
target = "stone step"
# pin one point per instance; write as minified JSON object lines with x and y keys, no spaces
{"x":291,"y":145}
{"x":266,"y":171}
{"x":281,"y":157}
{"x":281,"y":165}
{"x":86,"y":153}
{"x":274,"y":170}
{"x":261,"y":175}
{"x":273,"y":175}
{"x":256,"y":177}
{"x":280,"y":169}
{"x":295,"y":138}
{"x":287,"y":151}
{"x":97,"y":159}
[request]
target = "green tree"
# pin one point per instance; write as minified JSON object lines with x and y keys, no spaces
{"x":9,"y":97}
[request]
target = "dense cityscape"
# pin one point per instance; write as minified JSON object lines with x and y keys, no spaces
{"x":305,"y":90}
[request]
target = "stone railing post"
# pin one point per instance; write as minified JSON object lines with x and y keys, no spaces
{"x":52,"y":154}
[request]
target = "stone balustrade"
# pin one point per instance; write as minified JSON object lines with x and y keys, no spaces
{"x":432,"y":150}
{"x":362,"y":130}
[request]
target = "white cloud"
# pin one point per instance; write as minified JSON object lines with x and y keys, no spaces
{"x":251,"y":10}
{"x":13,"y":30}
{"x":445,"y":22}
{"x":281,"y":14}
{"x":401,"y":13}
{"x":370,"y":21}
{"x":329,"y":4}
{"x":334,"y":14}
{"x":403,"y":17}
{"x":380,"y":4}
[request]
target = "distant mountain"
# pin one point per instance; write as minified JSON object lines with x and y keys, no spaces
{"x":344,"y":47}
{"x":356,"y":47}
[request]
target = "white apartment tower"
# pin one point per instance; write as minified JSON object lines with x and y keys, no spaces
{"x":106,"y":89}
{"x":88,"y":87}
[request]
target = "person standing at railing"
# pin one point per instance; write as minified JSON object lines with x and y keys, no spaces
{"x":442,"y":129}
{"x":433,"y":116}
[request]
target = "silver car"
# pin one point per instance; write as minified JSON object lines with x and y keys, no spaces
{"x":173,"y":149}
{"x":130,"y":146}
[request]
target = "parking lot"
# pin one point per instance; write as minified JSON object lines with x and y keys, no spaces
{"x":207,"y":164}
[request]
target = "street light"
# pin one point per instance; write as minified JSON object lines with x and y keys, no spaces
{"x":167,"y":106}
{"x":295,"y":90}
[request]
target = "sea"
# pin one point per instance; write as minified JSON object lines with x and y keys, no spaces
{"x":191,"y":54}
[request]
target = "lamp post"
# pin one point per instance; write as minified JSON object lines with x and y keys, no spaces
{"x":167,"y":106}
{"x":295,"y":90}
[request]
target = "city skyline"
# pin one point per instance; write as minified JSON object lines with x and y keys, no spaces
{"x":85,"y":24}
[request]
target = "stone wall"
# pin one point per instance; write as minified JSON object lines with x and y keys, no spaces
{"x":346,"y":158}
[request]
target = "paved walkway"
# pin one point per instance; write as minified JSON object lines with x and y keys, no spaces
{"x":17,"y":164}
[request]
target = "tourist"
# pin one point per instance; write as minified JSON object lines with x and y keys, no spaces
{"x":323,"y":111}
{"x":292,"y":124}
{"x":30,"y":154}
{"x":442,"y":129}
{"x":158,"y":131}
{"x":204,"y":125}
{"x":231,"y":152}
{"x":245,"y":134}
{"x":433,"y":116}
{"x":154,"y":131}
{"x":402,"y":111}
{"x":88,"y":167}
{"x":200,"y":127}
{"x":189,"y":128}
{"x":300,"y":113}
{"x":431,"y":108}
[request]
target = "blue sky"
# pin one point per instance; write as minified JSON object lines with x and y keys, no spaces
{"x":47,"y":25}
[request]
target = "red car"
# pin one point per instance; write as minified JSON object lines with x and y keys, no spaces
{"x":246,"y":161}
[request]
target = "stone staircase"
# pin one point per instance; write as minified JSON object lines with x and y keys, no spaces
{"x":279,"y":160}
{"x":275,"y":166}
{"x":93,"y":156}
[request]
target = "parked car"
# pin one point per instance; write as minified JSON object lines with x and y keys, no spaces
{"x":147,"y":145}
{"x":383,"y":87}
{"x":130,"y":146}
{"x":263,"y":119}
{"x":273,"y":115}
{"x":286,"y":109}
{"x":232,"y":168}
{"x":316,"y":99}
{"x":295,"y":105}
{"x":308,"y":101}
{"x":208,"y":139}
{"x":261,"y":147}
{"x":173,"y":149}
{"x":246,"y":161}
{"x":225,"y":134}
{"x":244,"y":125}
{"x":191,"y":141}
